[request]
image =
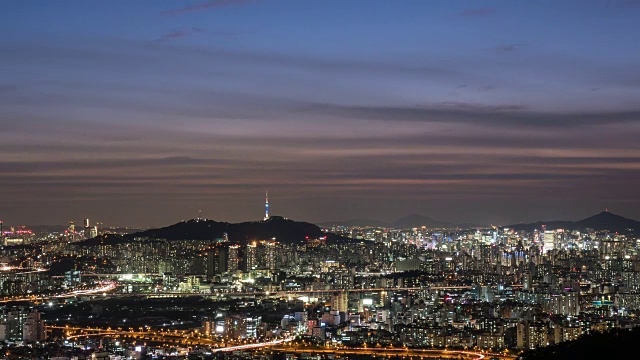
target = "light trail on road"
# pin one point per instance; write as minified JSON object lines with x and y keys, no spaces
{"x":102,"y":288}
{"x":276,"y":345}
{"x":397,"y":351}
{"x":254,"y":346}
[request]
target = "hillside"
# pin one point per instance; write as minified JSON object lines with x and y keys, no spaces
{"x":282,"y":229}
{"x":616,"y":344}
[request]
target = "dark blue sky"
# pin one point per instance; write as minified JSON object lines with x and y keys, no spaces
{"x":144,"y":112}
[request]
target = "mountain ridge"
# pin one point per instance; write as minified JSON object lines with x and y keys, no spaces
{"x":604,"y":220}
{"x":282,"y":229}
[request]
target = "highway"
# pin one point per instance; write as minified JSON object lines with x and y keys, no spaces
{"x":180,"y":337}
{"x":102,"y":288}
{"x":440,"y":353}
{"x":106,"y":289}
{"x":193,"y":338}
{"x":255,"y":346}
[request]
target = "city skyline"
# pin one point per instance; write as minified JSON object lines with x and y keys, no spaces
{"x":477,"y":112}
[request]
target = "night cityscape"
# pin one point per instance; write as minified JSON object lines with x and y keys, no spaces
{"x":319,"y":180}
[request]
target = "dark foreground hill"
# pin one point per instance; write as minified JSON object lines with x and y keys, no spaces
{"x":616,"y":344}
{"x":282,"y":229}
{"x":602,"y":221}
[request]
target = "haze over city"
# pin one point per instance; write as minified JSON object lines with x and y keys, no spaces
{"x":143,"y":113}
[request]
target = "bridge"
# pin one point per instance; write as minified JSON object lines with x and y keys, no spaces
{"x":176,"y":337}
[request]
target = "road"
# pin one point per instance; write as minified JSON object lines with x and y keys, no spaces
{"x":102,"y":288}
{"x":189,"y":338}
{"x":441,"y":353}
{"x":182,"y":337}
{"x":106,"y":289}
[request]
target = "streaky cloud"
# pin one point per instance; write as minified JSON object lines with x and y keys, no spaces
{"x":204,"y":6}
{"x":453,"y":112}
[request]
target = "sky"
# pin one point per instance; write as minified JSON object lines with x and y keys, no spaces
{"x":143,"y":113}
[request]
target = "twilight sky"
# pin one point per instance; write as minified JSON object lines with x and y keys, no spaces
{"x":141,"y":113}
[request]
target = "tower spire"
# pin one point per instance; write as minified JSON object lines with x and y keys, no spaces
{"x":266,"y":205}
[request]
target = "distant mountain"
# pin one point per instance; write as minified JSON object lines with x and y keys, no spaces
{"x":609,"y":221}
{"x":282,"y":229}
{"x":46,"y":229}
{"x":409,"y":221}
{"x":415,"y":220}
{"x":602,"y":221}
{"x":356,"y":223}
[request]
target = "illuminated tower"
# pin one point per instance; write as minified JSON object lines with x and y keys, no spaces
{"x":266,"y":206}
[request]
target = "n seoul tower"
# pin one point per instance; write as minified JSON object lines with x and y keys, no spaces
{"x":266,"y":205}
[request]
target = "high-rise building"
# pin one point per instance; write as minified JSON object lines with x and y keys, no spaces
{"x":561,"y":239}
{"x":250,"y":256}
{"x":527,"y":280}
{"x":216,"y":260}
{"x":87,"y":229}
{"x":33,"y":328}
{"x":71,"y":231}
{"x":242,"y":326}
{"x":233,"y":260}
{"x":531,"y":335}
{"x":223,"y":257}
{"x":566,"y":304}
{"x":340,"y":301}
{"x":549,"y":241}
{"x":21,"y":324}
{"x":269,"y":255}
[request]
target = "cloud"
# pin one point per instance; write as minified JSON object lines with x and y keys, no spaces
{"x":204,"y":6}
{"x":136,"y":55}
{"x":477,"y":12}
{"x":454,"y":112}
{"x":174,"y":35}
{"x":230,"y":121}
{"x":177,"y":34}
{"x":511,"y":47}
